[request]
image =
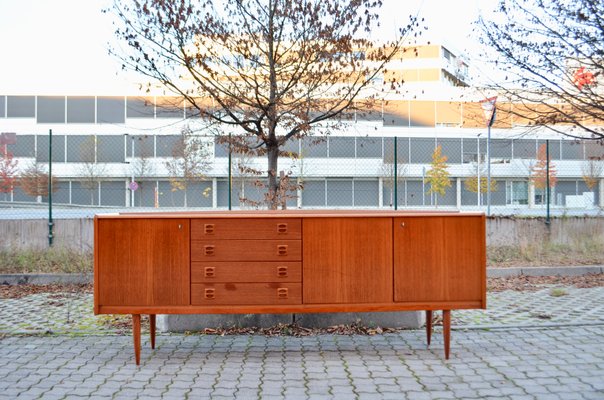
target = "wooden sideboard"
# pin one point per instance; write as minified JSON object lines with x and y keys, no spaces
{"x":288,"y":262}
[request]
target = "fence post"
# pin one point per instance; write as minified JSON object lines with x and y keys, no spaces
{"x":50,"y":223}
{"x":395,"y":174}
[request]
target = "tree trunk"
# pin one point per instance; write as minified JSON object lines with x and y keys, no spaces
{"x":273,"y":156}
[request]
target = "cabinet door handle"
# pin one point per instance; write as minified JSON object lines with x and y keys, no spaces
{"x":210,"y":294}
{"x":282,"y":249}
{"x":282,"y":293}
{"x":282,"y":272}
{"x":208,"y":250}
{"x":282,"y":228}
{"x":209,"y":272}
{"x":208,"y":229}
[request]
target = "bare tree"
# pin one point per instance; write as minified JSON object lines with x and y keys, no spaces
{"x":90,"y":171}
{"x":478,"y":180}
{"x":269,"y":69}
{"x":190,"y":161}
{"x":553,"y":54}
{"x":387,"y":173}
{"x":592,"y":172}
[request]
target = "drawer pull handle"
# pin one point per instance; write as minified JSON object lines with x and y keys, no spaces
{"x":282,"y":249}
{"x":208,"y":229}
{"x":209,"y":272}
{"x":282,"y":272}
{"x":282,"y":293}
{"x":282,"y":228}
{"x":208,"y":250}
{"x":210,"y":294}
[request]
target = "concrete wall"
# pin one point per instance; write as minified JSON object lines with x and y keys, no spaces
{"x":77,"y":234}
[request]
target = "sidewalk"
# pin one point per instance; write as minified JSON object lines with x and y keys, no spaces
{"x":527,"y":345}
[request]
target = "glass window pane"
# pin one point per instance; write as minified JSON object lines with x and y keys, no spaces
{"x":501,"y":148}
{"x":20,"y":106}
{"x":452,"y":149}
{"x":51,"y":109}
{"x":314,"y":147}
{"x":144,"y":196}
{"x":572,"y":150}
{"x":341,"y":147}
{"x":80,"y":148}
{"x":593,"y":149}
{"x":166,"y":145}
{"x":525,"y":149}
{"x":339,"y":193}
{"x":80,"y":110}
{"x":58,"y":148}
{"x":140,"y":107}
{"x":110,"y":148}
{"x":222,"y":195}
{"x":113,"y":193}
{"x":143,"y":145}
{"x":415,"y":194}
{"x":402,"y":149}
{"x":110,"y":110}
{"x":422,"y":150}
{"x":169,"y":197}
{"x":369,"y":147}
{"x":291,"y":146}
{"x":169,"y":107}
{"x":554,"y":148}
{"x":313,"y":194}
{"x":61,"y":196}
{"x":24,"y":147}
{"x":366,"y":193}
{"x":2,"y":106}
{"x":84,"y":193}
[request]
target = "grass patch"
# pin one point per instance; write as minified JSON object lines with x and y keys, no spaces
{"x":55,"y":260}
{"x":558,"y":292}
{"x":588,"y":251}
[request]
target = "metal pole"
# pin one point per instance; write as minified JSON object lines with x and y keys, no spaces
{"x":424,"y":186}
{"x":489,"y":170}
{"x":478,"y":183}
{"x":50,"y":223}
{"x":395,"y":174}
{"x":547,"y":190}
{"x":132,"y":180}
{"x":230,"y":174}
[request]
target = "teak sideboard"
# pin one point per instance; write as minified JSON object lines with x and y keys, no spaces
{"x":288,"y":262}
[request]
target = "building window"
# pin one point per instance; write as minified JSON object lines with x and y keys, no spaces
{"x":516,"y":192}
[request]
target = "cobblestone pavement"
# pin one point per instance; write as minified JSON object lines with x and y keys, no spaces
{"x":71,"y":313}
{"x":527,"y":345}
{"x":542,"y":363}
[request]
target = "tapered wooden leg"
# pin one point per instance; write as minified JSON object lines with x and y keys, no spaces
{"x":447,"y":331}
{"x":152,"y":329}
{"x":428,"y":326}
{"x":136,"y":334}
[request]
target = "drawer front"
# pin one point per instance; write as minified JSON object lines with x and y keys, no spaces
{"x":208,"y":272}
{"x":245,"y":293}
{"x":246,"y":250}
{"x":246,"y":228}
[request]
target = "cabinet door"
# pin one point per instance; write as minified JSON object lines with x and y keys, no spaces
{"x":143,"y":262}
{"x":439,"y":258}
{"x":347,"y":260}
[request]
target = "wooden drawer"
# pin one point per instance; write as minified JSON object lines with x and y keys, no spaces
{"x":245,"y":293}
{"x":235,"y":271}
{"x":246,"y":250}
{"x":246,"y":228}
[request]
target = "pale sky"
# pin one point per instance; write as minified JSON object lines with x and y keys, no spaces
{"x":60,"y":46}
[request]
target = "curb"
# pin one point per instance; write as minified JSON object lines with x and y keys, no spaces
{"x":45,"y":279}
{"x":81,"y":279}
{"x":544,"y":271}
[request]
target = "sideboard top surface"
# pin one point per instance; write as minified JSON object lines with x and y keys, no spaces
{"x":289,"y":214}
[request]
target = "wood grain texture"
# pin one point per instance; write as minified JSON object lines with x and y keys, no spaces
{"x":143,"y":262}
{"x":439,"y":259}
{"x":246,"y":228}
{"x":246,"y":250}
{"x":245,"y":293}
{"x":280,"y":309}
{"x":347,"y":260}
{"x":239,"y":271}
